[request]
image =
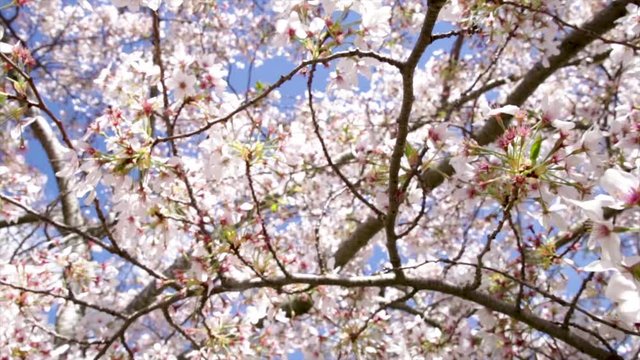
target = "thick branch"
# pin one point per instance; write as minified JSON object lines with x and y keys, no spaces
{"x":408,"y":98}
{"x":358,"y":239}
{"x":24,"y":219}
{"x":557,"y":331}
{"x":55,"y":153}
{"x":69,"y":315}
{"x":153,"y":289}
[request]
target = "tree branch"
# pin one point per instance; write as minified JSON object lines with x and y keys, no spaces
{"x":581,"y":344}
{"x":407,"y":71}
{"x":24,"y":219}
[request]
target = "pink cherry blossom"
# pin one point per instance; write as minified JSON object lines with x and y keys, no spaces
{"x":623,"y":186}
{"x":623,"y":287}
{"x":182,"y":84}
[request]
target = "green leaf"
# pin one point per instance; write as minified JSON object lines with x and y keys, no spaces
{"x":635,"y":270}
{"x":409,"y":150}
{"x":535,"y":149}
{"x":411,"y":153}
{"x":229,"y":234}
{"x":123,"y":166}
{"x":193,"y":282}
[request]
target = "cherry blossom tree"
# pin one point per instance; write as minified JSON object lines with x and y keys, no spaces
{"x":417,"y":179}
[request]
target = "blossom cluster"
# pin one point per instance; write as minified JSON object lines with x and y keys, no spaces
{"x":337,"y":179}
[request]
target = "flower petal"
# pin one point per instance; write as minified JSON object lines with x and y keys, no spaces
{"x":507,"y":109}
{"x":621,"y":289}
{"x":593,"y":208}
{"x":6,"y":48}
{"x":563,"y":125}
{"x":599,"y":266}
{"x":618,"y":183}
